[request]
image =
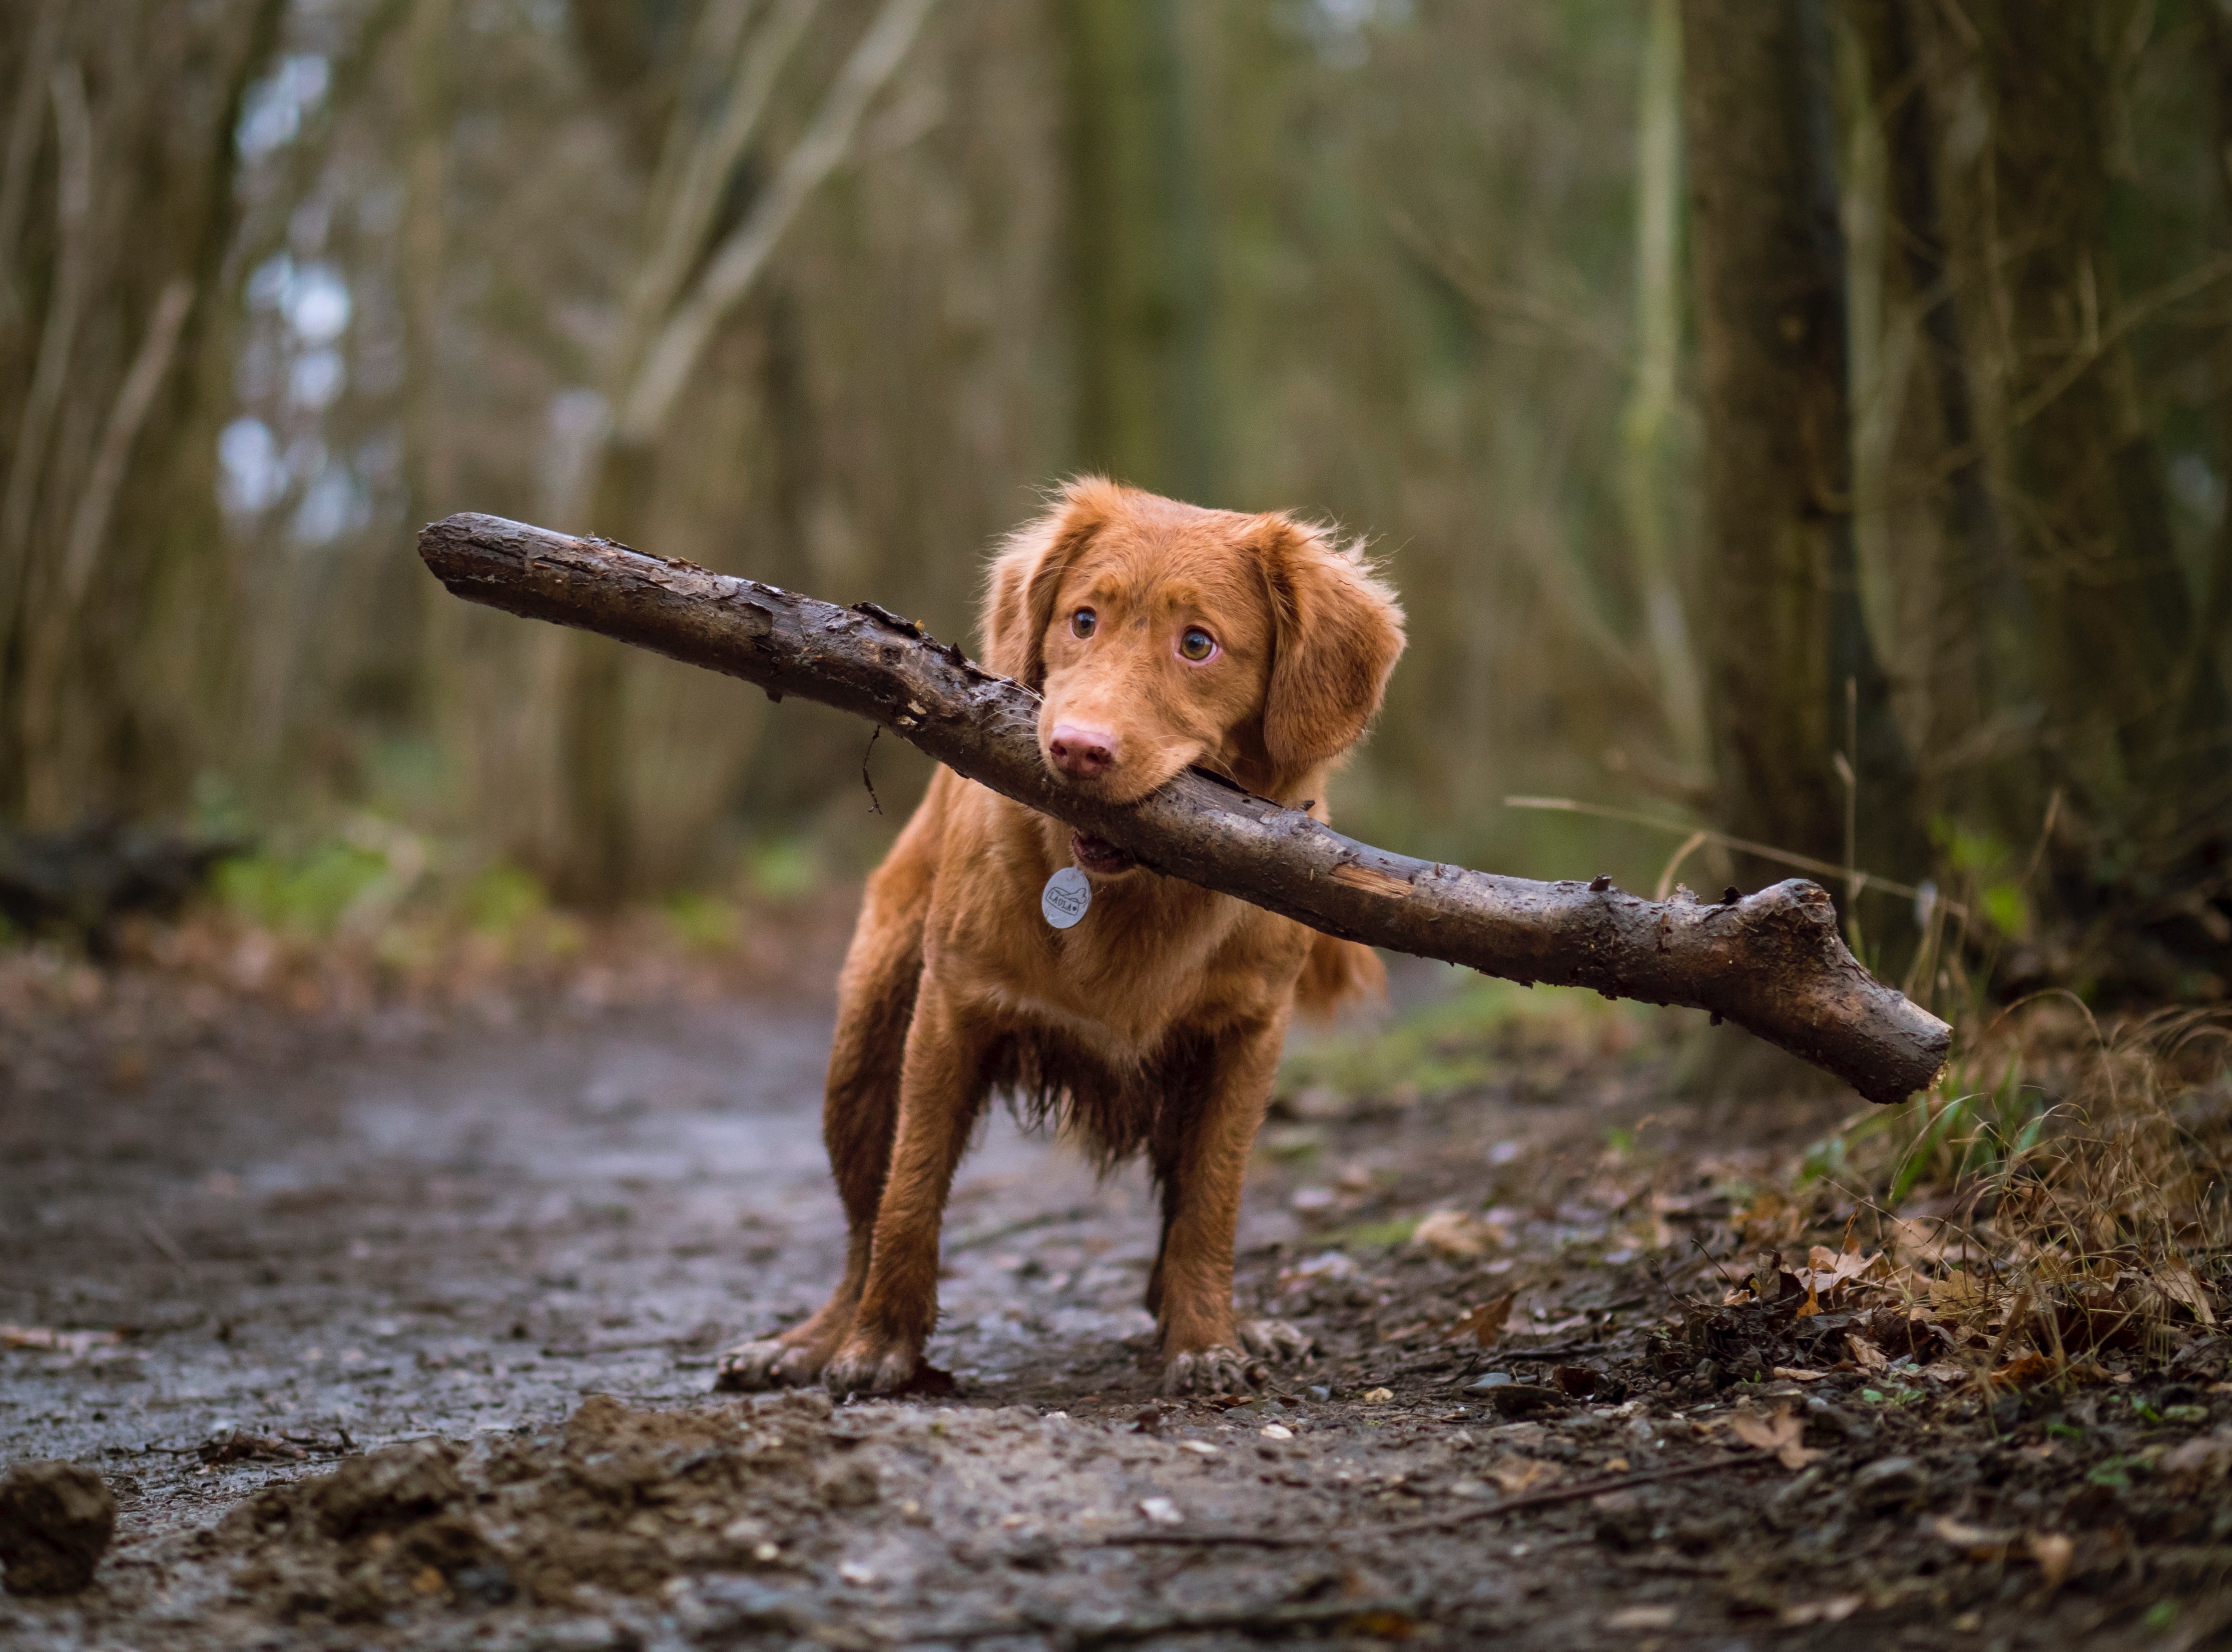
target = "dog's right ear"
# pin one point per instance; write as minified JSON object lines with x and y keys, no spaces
{"x":1026,"y":575}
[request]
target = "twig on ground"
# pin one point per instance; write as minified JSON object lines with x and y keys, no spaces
{"x":1573,"y":1493}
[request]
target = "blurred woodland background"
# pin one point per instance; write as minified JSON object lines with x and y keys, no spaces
{"x":1796,"y":423}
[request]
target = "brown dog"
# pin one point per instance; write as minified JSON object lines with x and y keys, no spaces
{"x":1160,"y":636}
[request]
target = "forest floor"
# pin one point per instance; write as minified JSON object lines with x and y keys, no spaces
{"x":396,"y":1327}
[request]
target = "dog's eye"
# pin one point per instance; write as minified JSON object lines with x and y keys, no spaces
{"x":1083,"y":622}
{"x":1195,"y":644}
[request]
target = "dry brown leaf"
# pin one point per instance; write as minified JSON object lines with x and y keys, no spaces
{"x":2023,"y":1373}
{"x":2180,"y":1284}
{"x":1797,"y":1374}
{"x":1978,"y":1542}
{"x":78,"y":1343}
{"x":1483,"y":1322}
{"x":2206,"y":1456}
{"x":1516,"y":1475}
{"x":1835,"y":1610}
{"x":1865,"y":1354}
{"x":1780,"y":1433}
{"x":1452,"y":1233}
{"x":1959,"y":1291}
{"x":2052,"y":1552}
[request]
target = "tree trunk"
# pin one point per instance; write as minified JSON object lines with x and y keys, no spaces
{"x":117,"y":202}
{"x":1645,"y":425}
{"x":1139,"y":250}
{"x":1792,"y":683}
{"x":2132,"y":740}
{"x":1956,"y":613}
{"x":1771,"y":962}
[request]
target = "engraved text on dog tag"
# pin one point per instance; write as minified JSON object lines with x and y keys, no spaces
{"x":1064,"y":897}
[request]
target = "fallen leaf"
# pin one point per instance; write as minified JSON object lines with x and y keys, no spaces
{"x":1641,"y":1617}
{"x":1780,"y":1433}
{"x":2205,"y":1457}
{"x":1483,"y":1322}
{"x":1957,"y":1290}
{"x":2179,"y":1283}
{"x":1199,"y":1448}
{"x":1515,"y":1474}
{"x":1452,"y":1233}
{"x":1978,"y":1542}
{"x":2023,"y":1373}
{"x":1826,"y":1269}
{"x":1376,"y":1396}
{"x":2052,"y":1551}
{"x":78,"y":1343}
{"x":1797,"y":1374}
{"x":1576,"y":1382}
{"x":1835,"y":1610}
{"x":1161,"y":1511}
{"x":1865,"y":1354}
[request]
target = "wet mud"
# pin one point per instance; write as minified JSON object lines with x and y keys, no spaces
{"x":388,"y":1329}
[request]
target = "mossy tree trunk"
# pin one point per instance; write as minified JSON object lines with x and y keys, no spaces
{"x":1792,"y":682}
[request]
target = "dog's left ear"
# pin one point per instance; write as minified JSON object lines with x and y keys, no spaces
{"x":1337,"y":632}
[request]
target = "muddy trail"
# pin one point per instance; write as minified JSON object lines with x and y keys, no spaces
{"x":395,"y":1329}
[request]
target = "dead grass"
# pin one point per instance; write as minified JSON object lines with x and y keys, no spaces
{"x":2059,"y":1197}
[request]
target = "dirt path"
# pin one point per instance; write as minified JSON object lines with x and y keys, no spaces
{"x":328,"y":1247}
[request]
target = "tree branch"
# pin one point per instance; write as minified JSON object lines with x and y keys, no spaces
{"x":1773,"y":961}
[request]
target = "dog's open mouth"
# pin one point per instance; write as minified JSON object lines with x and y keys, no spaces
{"x":1099,"y":855}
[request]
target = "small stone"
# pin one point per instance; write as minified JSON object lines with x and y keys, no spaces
{"x":55,"y":1522}
{"x":1890,"y":1481}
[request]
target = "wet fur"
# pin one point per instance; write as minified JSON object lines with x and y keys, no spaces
{"x":1153,"y":1026}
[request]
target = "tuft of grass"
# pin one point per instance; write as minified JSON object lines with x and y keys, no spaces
{"x":2071,"y":1179}
{"x":1485,"y":1033}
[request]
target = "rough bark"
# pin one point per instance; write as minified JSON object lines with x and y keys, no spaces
{"x":1773,"y":963}
{"x":1784,"y":639}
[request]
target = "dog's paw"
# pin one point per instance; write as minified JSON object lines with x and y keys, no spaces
{"x":1275,"y":1340}
{"x":869,"y":1364}
{"x":1212,"y":1370}
{"x":751,"y":1366}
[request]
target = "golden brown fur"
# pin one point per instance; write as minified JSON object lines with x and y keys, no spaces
{"x":1154,"y":1025}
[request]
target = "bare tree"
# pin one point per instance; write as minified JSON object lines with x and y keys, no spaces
{"x":116,"y":207}
{"x":1805,"y":753}
{"x":694,"y":272}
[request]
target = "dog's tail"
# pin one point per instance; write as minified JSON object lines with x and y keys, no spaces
{"x":1337,"y":973}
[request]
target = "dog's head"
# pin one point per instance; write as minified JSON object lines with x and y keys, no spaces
{"x":1163,"y":635}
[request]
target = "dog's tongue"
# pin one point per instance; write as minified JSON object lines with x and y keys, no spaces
{"x":1098,"y":854}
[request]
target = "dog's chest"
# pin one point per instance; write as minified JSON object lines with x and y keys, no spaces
{"x":1122,"y":987}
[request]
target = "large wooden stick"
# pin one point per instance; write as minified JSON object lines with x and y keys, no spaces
{"x":1773,"y":963}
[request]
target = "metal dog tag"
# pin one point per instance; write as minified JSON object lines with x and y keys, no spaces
{"x":1064,"y":897}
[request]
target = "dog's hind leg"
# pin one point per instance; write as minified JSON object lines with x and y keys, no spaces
{"x":860,"y":1109}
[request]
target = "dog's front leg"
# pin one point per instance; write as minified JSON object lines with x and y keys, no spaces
{"x":1204,"y":1349}
{"x":941,"y":1087}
